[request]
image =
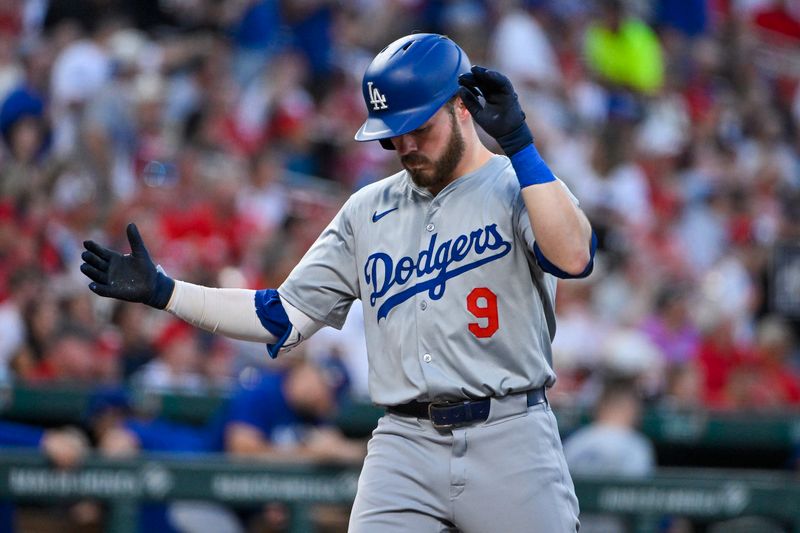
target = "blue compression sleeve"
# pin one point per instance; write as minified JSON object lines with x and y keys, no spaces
{"x":549,"y":267}
{"x":273,"y":317}
{"x":530,"y":167}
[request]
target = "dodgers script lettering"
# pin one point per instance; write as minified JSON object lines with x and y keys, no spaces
{"x":432,"y":267}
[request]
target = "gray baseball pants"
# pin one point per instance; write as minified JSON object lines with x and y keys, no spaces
{"x":504,"y":475}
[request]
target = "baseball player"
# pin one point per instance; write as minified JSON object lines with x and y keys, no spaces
{"x":455,"y":259}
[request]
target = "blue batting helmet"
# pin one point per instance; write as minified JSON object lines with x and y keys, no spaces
{"x":407,"y":82}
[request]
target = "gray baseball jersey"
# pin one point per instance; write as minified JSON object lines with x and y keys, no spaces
{"x":455,"y":304}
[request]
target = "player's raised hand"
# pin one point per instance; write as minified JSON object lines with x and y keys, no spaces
{"x":132,"y":277}
{"x":500,"y":115}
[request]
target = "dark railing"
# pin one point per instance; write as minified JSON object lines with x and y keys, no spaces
{"x":737,"y":430}
{"x":705,"y":495}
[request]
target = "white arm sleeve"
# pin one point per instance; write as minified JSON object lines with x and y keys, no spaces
{"x":232,"y":312}
{"x":303,"y":325}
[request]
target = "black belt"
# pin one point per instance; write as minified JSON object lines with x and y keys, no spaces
{"x":448,"y":415}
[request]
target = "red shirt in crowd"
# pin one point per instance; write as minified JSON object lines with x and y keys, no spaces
{"x":717,"y":362}
{"x":778,"y":20}
{"x":773,"y":385}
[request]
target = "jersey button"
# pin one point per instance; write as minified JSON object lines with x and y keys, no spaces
{"x":427,"y":358}
{"x":430,"y":227}
{"x":423,"y":305}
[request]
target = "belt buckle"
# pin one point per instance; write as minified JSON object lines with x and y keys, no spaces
{"x":444,"y":404}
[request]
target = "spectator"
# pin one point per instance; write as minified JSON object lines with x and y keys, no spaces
{"x":311,"y":23}
{"x":772,"y":382}
{"x":64,"y":448}
{"x":780,"y":17}
{"x":24,"y":285}
{"x":264,"y":201}
{"x":273,"y":416}
{"x":79,"y":73}
{"x":68,"y":358}
{"x":702,"y":229}
{"x":121,"y":434}
{"x":177,"y":367}
{"x":111,"y":116}
{"x":521,"y":48}
{"x":624,"y":51}
{"x":689,"y":17}
{"x":684,"y":388}
{"x":256,"y":34}
{"x":719,"y":357}
{"x":629,"y":354}
{"x":42,"y":319}
{"x":24,"y":178}
{"x":348,"y":346}
{"x":611,"y":445}
{"x":284,"y":415}
{"x":670,"y":326}
{"x":136,"y":348}
{"x":11,"y":71}
{"x":580,"y":335}
{"x":617,"y":184}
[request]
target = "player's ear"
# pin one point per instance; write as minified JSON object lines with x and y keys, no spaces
{"x":462,"y":113}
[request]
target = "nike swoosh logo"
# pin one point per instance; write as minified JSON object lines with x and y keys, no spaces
{"x":377,"y":216}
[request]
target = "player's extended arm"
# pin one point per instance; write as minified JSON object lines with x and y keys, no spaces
{"x":563,"y":234}
{"x":322,"y":444}
{"x":259,"y":316}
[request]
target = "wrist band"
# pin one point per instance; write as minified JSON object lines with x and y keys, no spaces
{"x":516,"y":140}
{"x":162,"y":291}
{"x":530,"y":167}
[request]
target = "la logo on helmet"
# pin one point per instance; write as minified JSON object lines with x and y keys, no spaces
{"x":377,"y":99}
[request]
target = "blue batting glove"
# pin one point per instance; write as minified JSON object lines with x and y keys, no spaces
{"x":501,"y":116}
{"x":131,"y":277}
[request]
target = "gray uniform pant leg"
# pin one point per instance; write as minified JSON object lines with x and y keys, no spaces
{"x":517,"y":477}
{"x":403,"y":486}
{"x":507,"y":474}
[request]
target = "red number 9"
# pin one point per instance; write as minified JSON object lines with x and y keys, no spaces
{"x":482,"y":303}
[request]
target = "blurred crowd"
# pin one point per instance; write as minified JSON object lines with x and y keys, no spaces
{"x":277,"y":414}
{"x":224,"y":130}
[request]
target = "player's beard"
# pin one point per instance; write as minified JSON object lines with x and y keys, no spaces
{"x":436,"y":174}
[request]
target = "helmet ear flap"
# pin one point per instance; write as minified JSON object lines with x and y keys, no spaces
{"x":387,"y":144}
